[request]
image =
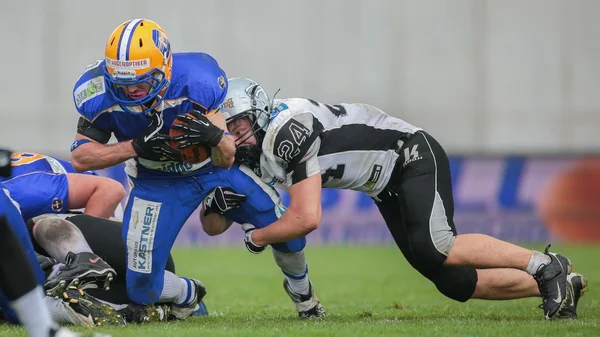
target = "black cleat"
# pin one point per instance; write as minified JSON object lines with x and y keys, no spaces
{"x":576,"y":287}
{"x":83,"y":270}
{"x":134,"y":313}
{"x":552,"y":282}
{"x":308,"y":306}
{"x":88,"y":306}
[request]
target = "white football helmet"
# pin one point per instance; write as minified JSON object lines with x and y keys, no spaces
{"x":246,"y":98}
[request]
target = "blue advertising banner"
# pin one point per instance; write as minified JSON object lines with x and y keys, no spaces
{"x":519,"y":199}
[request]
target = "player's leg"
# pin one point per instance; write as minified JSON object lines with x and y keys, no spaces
{"x":100,"y":196}
{"x":153,"y":217}
{"x":104,"y":239}
{"x":62,"y":240}
{"x":290,"y":258}
{"x":424,"y":196}
{"x":19,"y":276}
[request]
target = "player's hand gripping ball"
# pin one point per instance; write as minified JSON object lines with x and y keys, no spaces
{"x":180,"y":132}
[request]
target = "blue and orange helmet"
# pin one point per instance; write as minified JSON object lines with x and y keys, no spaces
{"x":138,"y":51}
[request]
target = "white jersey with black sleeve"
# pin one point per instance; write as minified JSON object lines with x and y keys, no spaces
{"x":353,"y":146}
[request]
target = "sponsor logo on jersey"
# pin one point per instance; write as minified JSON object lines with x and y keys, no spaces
{"x":141,"y":233}
{"x":57,"y":204}
{"x":279,"y":108}
{"x":411,"y":155}
{"x":175,"y":167}
{"x":374,"y":177}
{"x":89,"y":90}
{"x":222,"y":82}
{"x":161,"y":42}
{"x":275,"y":181}
{"x":93,"y":65}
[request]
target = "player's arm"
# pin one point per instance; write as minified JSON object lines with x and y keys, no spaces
{"x":295,"y":148}
{"x":90,"y":151}
{"x":301,"y":217}
{"x":100,"y":196}
{"x":89,"y":154}
{"x":222,"y":155}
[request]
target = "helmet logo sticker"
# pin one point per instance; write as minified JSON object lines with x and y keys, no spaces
{"x":134,"y":65}
{"x":161,"y":42}
{"x":228,"y":104}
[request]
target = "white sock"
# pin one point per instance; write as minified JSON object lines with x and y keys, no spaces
{"x":33,"y":313}
{"x":175,"y":289}
{"x":299,"y":285}
{"x":537,"y":261}
{"x":293,"y":266}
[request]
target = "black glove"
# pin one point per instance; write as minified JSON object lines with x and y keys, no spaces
{"x":222,"y":199}
{"x":153,"y":145}
{"x":251,"y":246}
{"x":46,"y":263}
{"x":197,"y":129}
{"x":5,"y":166}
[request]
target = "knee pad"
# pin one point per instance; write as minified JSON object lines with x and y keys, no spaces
{"x":143,"y":289}
{"x":455,"y":282}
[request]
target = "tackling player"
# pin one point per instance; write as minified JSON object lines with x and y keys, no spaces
{"x":303,"y":145}
{"x":135,"y":94}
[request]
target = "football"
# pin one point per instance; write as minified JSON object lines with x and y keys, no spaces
{"x":193,"y":154}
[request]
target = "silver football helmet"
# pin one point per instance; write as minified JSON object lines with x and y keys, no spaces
{"x":246,"y":98}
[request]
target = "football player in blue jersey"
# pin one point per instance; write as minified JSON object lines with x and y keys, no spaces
{"x":46,"y":185}
{"x":43,"y":184}
{"x":21,"y":297}
{"x":135,"y":94}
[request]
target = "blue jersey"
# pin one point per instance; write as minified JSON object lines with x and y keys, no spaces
{"x":197,"y":82}
{"x":38,"y":183}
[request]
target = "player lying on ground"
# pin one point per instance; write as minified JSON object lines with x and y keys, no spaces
{"x":303,"y":146}
{"x":79,"y":240}
{"x":42,"y":184}
{"x":21,"y":297}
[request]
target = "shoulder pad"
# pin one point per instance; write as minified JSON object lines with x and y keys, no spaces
{"x":205,"y":81}
{"x":289,"y":137}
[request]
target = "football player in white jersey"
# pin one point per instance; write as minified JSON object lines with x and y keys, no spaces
{"x":303,"y":145}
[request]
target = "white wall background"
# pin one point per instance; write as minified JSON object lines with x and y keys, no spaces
{"x":495,"y":76}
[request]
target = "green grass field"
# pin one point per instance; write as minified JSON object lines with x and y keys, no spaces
{"x":367,"y":291}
